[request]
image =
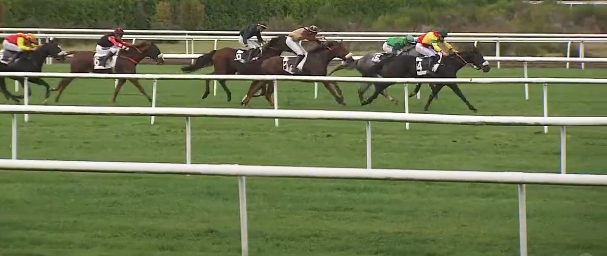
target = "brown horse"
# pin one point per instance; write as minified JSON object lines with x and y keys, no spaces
{"x":315,"y":64}
{"x":126,"y":63}
{"x":226,"y":62}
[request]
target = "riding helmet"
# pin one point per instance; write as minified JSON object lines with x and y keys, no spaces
{"x":443,"y":32}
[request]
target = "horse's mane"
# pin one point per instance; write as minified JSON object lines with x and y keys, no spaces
{"x":141,"y":44}
{"x":323,"y":46}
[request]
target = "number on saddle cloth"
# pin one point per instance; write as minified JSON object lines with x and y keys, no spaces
{"x":287,"y":65}
{"x":109,"y":64}
{"x":424,"y":64}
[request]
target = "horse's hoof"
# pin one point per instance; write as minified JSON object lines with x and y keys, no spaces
{"x":45,"y":102}
{"x":204,"y":96}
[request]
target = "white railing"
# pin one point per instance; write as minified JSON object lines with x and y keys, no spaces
{"x":191,"y":36}
{"x":281,"y":171}
{"x":275,"y":78}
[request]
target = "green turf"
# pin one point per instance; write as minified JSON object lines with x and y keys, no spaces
{"x":103,"y":214}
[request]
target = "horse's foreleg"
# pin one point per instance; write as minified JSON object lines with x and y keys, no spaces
{"x":459,"y":93}
{"x":207,"y":89}
{"x":118,"y":88}
{"x":61,"y":86}
{"x":432,"y":86}
{"x":378,"y":89}
{"x":43,"y":83}
{"x":433,"y":94}
{"x":334,"y":93}
{"x":268,"y":89}
{"x":141,"y":90}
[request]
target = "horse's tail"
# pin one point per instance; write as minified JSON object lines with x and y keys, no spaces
{"x":346,"y":65}
{"x":201,"y":62}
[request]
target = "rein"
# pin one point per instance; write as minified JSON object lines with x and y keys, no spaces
{"x":131,"y":59}
{"x":466,"y":63}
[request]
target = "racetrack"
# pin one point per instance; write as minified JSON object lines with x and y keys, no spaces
{"x":94,"y":214}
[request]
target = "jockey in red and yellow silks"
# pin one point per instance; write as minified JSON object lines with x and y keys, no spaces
{"x":17,"y":43}
{"x":427,"y":44}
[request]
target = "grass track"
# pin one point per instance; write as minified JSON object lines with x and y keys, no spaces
{"x":94,"y":214}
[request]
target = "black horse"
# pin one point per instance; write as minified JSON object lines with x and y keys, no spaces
{"x":31,"y":62}
{"x":405,"y":66}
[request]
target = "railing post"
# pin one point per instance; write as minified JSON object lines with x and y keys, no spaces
{"x":563,"y":150}
{"x":522,"y":219}
{"x":526,"y":75}
{"x":26,"y":96}
{"x":497,"y":53}
{"x":188,"y":140}
{"x":154,"y":89}
{"x":315,"y":90}
{"x":581,"y":53}
{"x":568,"y":54}
{"x":215,"y":81}
{"x":368,"y":131}
{"x":406,"y":102}
{"x":14,"y":137}
{"x":16,"y":86}
{"x":187,"y":46}
{"x":545,"y":98}
{"x":242,"y":199}
{"x":276,"y":100}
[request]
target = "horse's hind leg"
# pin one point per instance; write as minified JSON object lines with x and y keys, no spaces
{"x":459,"y":93}
{"x":118,"y":88}
{"x":138,"y":85}
{"x":225,"y":88}
{"x":6,"y":93}
{"x":433,"y":94}
{"x":61,"y":86}
{"x":207,"y":90}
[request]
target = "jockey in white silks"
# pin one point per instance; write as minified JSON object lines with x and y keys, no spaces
{"x":294,"y":39}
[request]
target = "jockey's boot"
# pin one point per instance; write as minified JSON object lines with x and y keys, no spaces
{"x":297,"y":61}
{"x":252,"y":53}
{"x":103,"y":61}
{"x":433,"y":61}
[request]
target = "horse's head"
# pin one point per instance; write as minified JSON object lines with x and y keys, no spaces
{"x":337,"y":49}
{"x":151,"y":50}
{"x":51,"y":48}
{"x":477,"y":59}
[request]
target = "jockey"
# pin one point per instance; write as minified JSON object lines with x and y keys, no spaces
{"x":427,"y":44}
{"x":15,"y":45}
{"x":109,"y":44}
{"x":396,"y":45}
{"x":251,"y":31}
{"x":294,"y":39}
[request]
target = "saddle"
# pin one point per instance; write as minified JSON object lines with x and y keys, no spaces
{"x":427,"y":65}
{"x":382,"y":56}
{"x":244,"y":56}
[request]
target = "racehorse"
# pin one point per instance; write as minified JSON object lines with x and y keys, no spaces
{"x":31,"y":62}
{"x":314,"y":64}
{"x":368,"y":65}
{"x":126,"y":63}
{"x":405,"y":66}
{"x":227,"y":61}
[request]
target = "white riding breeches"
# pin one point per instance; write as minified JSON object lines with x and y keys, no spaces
{"x":295,"y":46}
{"x":250,"y":43}
{"x":105,"y":50}
{"x":425,"y":50}
{"x":10,"y":47}
{"x":389,"y":49}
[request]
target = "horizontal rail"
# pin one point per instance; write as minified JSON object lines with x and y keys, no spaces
{"x":234,"y":32}
{"x":308,"y":114}
{"x":308,"y":172}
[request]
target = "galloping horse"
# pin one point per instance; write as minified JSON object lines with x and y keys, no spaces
{"x":368,"y":66}
{"x":407,"y":67}
{"x":31,"y":62}
{"x":126,"y":63}
{"x":315,"y":64}
{"x":227,"y":61}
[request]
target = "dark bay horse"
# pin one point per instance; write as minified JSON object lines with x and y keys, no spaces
{"x":405,"y":66}
{"x":126,"y":63}
{"x":31,"y":62}
{"x":315,"y":64}
{"x":224,"y":62}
